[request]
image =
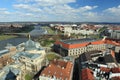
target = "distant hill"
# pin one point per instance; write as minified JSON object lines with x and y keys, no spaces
{"x":60,"y":22}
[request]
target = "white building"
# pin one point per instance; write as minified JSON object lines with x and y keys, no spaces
{"x":31,"y":55}
{"x":77,"y":30}
{"x":115,"y":34}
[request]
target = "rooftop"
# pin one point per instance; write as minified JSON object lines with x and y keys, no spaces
{"x":75,"y":41}
{"x":59,"y":69}
{"x":4,"y":51}
{"x":29,"y":55}
{"x":87,"y":74}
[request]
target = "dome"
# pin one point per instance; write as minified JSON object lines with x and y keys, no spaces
{"x":30,"y":45}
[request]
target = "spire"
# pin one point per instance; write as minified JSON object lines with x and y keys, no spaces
{"x":29,"y":36}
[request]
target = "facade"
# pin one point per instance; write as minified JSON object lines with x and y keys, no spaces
{"x":57,"y":70}
{"x":32,"y":62}
{"x":115,"y":34}
{"x":16,"y":61}
{"x":104,"y":67}
{"x":79,"y":46}
{"x":31,"y":55}
{"x":11,"y":72}
{"x":77,"y":30}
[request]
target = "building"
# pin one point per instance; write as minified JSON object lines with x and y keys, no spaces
{"x":57,"y":70}
{"x":78,"y":30}
{"x":5,"y":55}
{"x":16,"y":61}
{"x":98,"y":65}
{"x":75,"y":47}
{"x":87,"y":74}
{"x":115,"y":34}
{"x":31,"y":55}
{"x":12,"y":72}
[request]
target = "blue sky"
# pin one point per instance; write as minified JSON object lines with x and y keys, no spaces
{"x":60,"y":10}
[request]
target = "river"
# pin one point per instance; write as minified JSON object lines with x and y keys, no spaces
{"x":15,"y":41}
{"x":38,"y":31}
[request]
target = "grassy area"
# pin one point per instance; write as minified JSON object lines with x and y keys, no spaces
{"x":5,"y":37}
{"x":49,"y":30}
{"x":52,"y":56}
{"x":96,"y":36}
{"x":28,"y":77}
{"x":47,"y":42}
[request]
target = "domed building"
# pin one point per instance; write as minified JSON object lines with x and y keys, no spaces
{"x":31,"y":54}
{"x":30,"y":45}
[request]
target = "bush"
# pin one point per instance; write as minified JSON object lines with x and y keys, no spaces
{"x":28,"y":77}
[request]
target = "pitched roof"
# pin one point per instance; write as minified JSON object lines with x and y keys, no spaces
{"x":87,"y":74}
{"x":78,"y":44}
{"x":115,"y":70}
{"x":59,"y":69}
{"x":104,"y":69}
{"x":109,"y":58}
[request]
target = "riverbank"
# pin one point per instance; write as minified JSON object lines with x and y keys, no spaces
{"x":49,"y":30}
{"x":5,"y":37}
{"x":14,"y":41}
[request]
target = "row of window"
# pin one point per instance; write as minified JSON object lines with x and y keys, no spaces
{"x":82,"y":50}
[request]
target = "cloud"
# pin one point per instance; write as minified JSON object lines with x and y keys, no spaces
{"x":4,"y":11}
{"x":111,"y":14}
{"x":26,"y":7}
{"x":53,"y":2}
{"x":61,"y":12}
{"x":113,"y":11}
{"x":48,"y":2}
{"x":51,"y":10}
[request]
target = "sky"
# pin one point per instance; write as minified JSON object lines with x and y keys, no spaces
{"x":60,"y":10}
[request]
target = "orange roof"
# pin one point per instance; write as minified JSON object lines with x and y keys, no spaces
{"x":62,"y":44}
{"x":97,"y":42}
{"x":87,"y":74}
{"x":55,"y":69}
{"x":105,"y":69}
{"x":70,"y":46}
{"x":112,"y":41}
{"x":78,"y":45}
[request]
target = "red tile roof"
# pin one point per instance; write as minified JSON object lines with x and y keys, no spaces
{"x":114,"y":28}
{"x":115,"y":70}
{"x":87,"y":74}
{"x":104,"y":69}
{"x":70,"y":46}
{"x":59,"y":69}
